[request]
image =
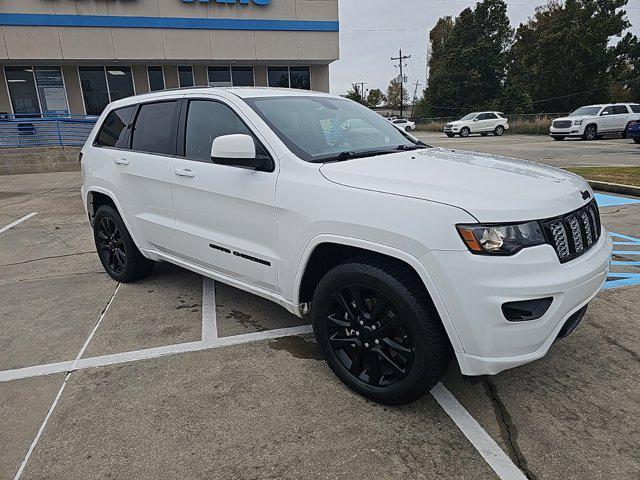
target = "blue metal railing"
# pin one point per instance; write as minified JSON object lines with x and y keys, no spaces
{"x":44,"y":130}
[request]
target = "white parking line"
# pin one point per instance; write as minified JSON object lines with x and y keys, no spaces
{"x":209,"y":321}
{"x":20,"y":220}
{"x":478,"y":436}
{"x":137,"y":355}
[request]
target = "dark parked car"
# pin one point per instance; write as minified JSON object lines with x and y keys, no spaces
{"x":633,"y":131}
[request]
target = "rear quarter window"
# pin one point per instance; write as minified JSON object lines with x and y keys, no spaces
{"x":635,"y":108}
{"x":113,"y":131}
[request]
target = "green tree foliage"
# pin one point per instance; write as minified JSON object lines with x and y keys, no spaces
{"x":375,"y":97}
{"x":355,"y":94}
{"x":393,"y":95}
{"x":469,"y":57}
{"x":562,"y":57}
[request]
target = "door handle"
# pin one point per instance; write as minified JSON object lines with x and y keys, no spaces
{"x":185,"y":173}
{"x":121,"y":161}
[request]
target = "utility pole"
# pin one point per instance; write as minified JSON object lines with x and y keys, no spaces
{"x":362,"y":84}
{"x":415,"y":96}
{"x":401,"y":59}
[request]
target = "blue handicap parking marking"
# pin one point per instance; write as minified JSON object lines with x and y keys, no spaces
{"x":613,"y":200}
{"x":624,"y":279}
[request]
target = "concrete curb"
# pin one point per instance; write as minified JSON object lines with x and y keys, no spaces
{"x":615,"y":188}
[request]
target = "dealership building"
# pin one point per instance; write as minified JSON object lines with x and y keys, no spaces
{"x":75,"y":56}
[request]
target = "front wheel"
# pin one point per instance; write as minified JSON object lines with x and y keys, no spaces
{"x":379,"y":331}
{"x":464,"y":133}
{"x":498,"y":131}
{"x":119,"y":255}
{"x":590,"y":133}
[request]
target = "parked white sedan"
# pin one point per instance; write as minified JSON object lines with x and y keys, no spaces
{"x":483,"y":123}
{"x":403,"y":124}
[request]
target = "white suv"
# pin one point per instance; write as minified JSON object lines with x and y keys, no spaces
{"x":483,"y":123}
{"x":404,"y":255}
{"x":593,"y":121}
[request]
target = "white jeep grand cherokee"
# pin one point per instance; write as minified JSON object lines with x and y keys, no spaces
{"x":404,"y":255}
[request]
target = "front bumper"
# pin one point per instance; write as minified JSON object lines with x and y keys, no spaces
{"x":473,"y":289}
{"x":573,"y":131}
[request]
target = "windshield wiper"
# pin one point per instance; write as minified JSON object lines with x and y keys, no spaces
{"x":410,"y":147}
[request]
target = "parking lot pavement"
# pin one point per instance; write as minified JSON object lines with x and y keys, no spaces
{"x":174,"y":377}
{"x":543,"y":149}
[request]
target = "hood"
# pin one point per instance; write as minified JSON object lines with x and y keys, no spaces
{"x":455,"y":122}
{"x":489,"y":187}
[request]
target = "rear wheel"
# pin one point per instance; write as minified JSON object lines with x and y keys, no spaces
{"x":464,"y":133}
{"x":379,"y":331}
{"x":407,"y":129}
{"x":590,"y":133}
{"x":119,"y":255}
{"x":498,"y":131}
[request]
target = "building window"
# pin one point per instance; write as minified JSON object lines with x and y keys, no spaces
{"x":101,"y":85}
{"x":278,"y":76}
{"x":120,"y":82}
{"x":219,"y":76}
{"x":94,"y":89}
{"x":289,"y":77}
{"x":156,"y":78}
{"x":300,"y":78}
{"x":36,"y":89}
{"x":185,"y":76}
{"x":230,"y":76}
{"x":242,"y":76}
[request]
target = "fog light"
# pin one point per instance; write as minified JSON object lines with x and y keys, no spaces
{"x":526,"y":310}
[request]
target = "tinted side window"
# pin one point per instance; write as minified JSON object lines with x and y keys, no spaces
{"x":114,"y":129}
{"x":206,"y":121}
{"x":154,"y":130}
{"x":620,"y":110}
{"x":482,"y":116}
{"x":490,"y":116}
{"x":635,"y":108}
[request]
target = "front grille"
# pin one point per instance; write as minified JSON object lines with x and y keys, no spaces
{"x":562,"y":123}
{"x":448,"y":126}
{"x":571,"y":235}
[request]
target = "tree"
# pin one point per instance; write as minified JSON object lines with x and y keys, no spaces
{"x":562,"y":57}
{"x":355,"y":94}
{"x":393,"y":94}
{"x":468,"y":61}
{"x":375,"y":97}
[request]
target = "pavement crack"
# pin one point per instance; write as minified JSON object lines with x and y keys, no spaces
{"x":45,"y":258}
{"x":508,"y":430}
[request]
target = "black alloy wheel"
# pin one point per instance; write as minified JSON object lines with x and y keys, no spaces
{"x":111,"y":245}
{"x":369,"y":336}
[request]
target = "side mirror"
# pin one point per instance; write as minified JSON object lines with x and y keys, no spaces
{"x":604,"y":113}
{"x":236,"y":150}
{"x":476,"y":119}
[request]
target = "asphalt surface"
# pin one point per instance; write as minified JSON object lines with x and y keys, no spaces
{"x":542,"y":148}
{"x":269,"y":408}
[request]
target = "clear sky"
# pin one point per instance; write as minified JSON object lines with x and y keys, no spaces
{"x":372,"y":31}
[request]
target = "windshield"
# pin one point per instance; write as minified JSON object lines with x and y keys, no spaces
{"x":585,"y":111}
{"x":471,"y":116}
{"x":321,"y":129}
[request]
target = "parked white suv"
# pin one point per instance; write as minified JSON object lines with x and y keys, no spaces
{"x":403,"y":254}
{"x":594,"y":121}
{"x":483,"y":123}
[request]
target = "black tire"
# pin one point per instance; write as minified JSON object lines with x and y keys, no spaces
{"x":405,"y":332}
{"x":484,"y":134}
{"x":465,"y":132}
{"x":590,"y":132}
{"x":498,"y":131}
{"x":636,"y":140}
{"x":118,"y":254}
{"x":407,"y":128}
{"x":450,"y":135}
{"x":558,"y":137}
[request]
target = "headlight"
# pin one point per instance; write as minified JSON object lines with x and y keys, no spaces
{"x":500,"y":239}
{"x":577,"y":122}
